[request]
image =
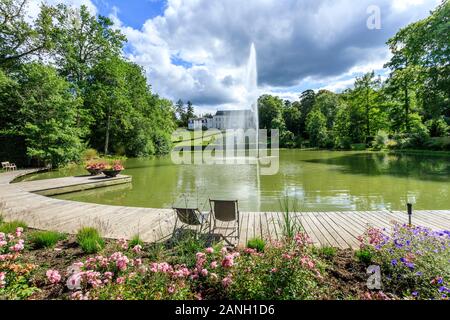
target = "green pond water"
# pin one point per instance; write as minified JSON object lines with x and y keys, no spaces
{"x":312,"y":180}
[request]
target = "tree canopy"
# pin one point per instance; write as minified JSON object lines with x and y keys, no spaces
{"x":81,"y":92}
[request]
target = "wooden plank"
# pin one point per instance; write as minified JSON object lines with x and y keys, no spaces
{"x":337,"y":238}
{"x":345,"y":230}
{"x":322,"y":237}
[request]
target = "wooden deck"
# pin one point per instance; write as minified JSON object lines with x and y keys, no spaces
{"x":25,"y":201}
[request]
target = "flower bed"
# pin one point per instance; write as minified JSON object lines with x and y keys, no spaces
{"x":415,"y":261}
{"x":414,"y":264}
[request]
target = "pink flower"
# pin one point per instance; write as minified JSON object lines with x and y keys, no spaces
{"x":228,"y":261}
{"x":137,"y":248}
{"x":79,"y":296}
{"x":121,"y":260}
{"x":214,"y":264}
{"x":307,"y":262}
{"x":274,"y":270}
{"x":2,"y":236}
{"x":227,"y":281}
{"x":53,"y":276}
{"x":6,"y":257}
{"x":204,"y":272}
{"x":286,"y":256}
{"x":123,"y":243}
{"x":2,"y":279}
{"x":137,"y":262}
{"x":74,"y":281}
{"x":249,"y":251}
{"x":224,"y":250}
{"x":163,"y":267}
{"x":18,"y":246}
{"x":19,"y":232}
{"x":209,"y":250}
{"x":171,"y":289}
{"x":120,"y":280}
{"x":3,"y":243}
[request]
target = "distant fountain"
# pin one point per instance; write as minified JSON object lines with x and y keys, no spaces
{"x":252,"y":90}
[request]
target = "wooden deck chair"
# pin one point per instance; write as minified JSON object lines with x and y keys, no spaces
{"x":228,"y":212}
{"x":191,"y":217}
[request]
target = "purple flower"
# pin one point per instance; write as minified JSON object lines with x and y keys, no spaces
{"x":415,"y":294}
{"x":410,"y":265}
{"x":394,"y":262}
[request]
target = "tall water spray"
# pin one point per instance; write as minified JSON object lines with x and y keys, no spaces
{"x":252,"y":90}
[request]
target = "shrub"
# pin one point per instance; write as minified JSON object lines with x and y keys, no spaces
{"x":257,"y":244}
{"x":438,"y":127}
{"x":381,"y":140}
{"x":10,"y":227}
{"x":90,"y":240}
{"x":46,"y":239}
{"x":364,"y":256}
{"x":358,"y":146}
{"x":90,"y":154}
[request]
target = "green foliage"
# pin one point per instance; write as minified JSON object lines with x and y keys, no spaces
{"x":358,"y":146}
{"x":18,"y":288}
{"x":327,"y":252}
{"x":90,"y":154}
{"x":257,"y":244}
{"x":414,"y":260}
{"x":289,"y":225}
{"x":10,"y":227}
{"x":21,"y":39}
{"x":129,"y":117}
{"x":316,"y":126}
{"x":186,"y":246}
{"x":364,"y":256}
{"x":136,"y":240}
{"x":46,"y":239}
{"x":438,"y":127}
{"x":89,"y":96}
{"x":90,"y":240}
{"x":381,"y":140}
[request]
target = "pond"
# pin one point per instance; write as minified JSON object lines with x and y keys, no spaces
{"x":311,"y":180}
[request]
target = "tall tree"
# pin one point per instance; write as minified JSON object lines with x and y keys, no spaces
{"x":365,"y":93}
{"x":48,"y":112}
{"x":20,"y":39}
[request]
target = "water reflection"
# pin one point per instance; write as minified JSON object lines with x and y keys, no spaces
{"x":317,"y":180}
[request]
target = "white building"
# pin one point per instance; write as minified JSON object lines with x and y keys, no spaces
{"x":225,"y":119}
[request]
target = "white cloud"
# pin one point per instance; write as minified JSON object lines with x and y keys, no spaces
{"x":34,"y":5}
{"x":197,"y":49}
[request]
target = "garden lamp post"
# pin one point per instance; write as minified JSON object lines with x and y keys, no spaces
{"x":409,"y":205}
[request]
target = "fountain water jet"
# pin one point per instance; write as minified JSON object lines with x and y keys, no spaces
{"x":252,"y":91}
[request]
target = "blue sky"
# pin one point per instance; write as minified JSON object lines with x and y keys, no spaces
{"x":132,"y":13}
{"x":197,"y":50}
